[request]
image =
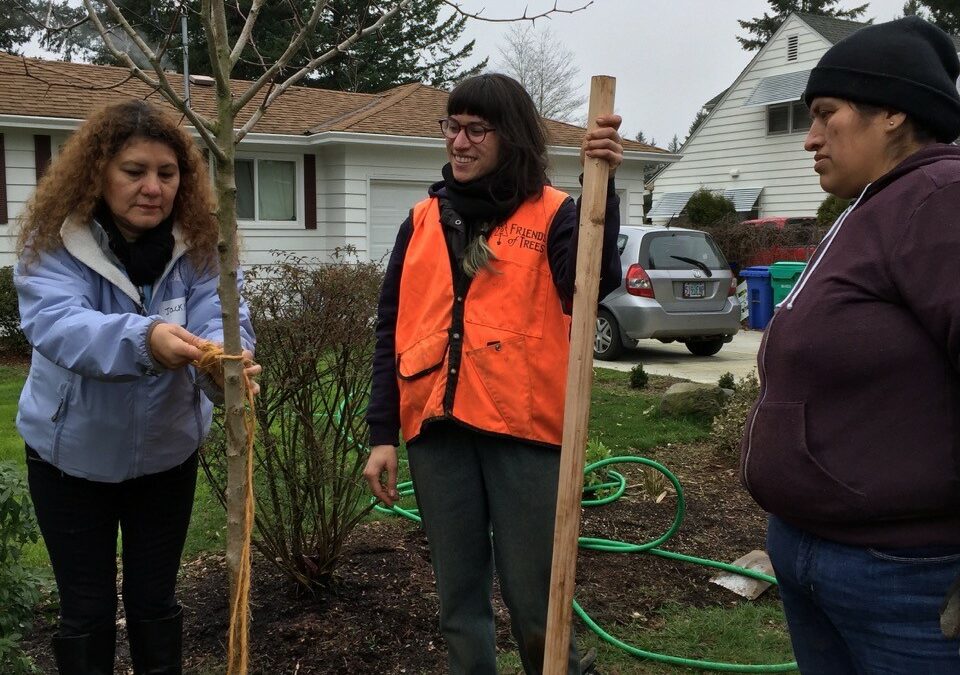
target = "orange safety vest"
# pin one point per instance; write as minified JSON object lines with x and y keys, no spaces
{"x":496,"y":359}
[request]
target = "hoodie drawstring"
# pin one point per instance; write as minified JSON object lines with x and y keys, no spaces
{"x":827,"y":241}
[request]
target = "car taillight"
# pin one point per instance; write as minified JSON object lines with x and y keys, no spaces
{"x":638,"y":282}
{"x":732,"y":291}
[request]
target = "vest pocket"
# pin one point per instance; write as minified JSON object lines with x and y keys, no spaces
{"x":504,"y":372}
{"x":424,"y":356}
{"x":509,"y":296}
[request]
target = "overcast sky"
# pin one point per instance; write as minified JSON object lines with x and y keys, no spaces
{"x":669,"y":56}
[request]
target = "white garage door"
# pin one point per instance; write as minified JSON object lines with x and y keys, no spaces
{"x":390,"y":203}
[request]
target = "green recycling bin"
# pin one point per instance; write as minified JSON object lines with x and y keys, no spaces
{"x":783,"y":276}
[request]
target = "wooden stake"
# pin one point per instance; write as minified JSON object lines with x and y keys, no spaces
{"x":579,"y":381}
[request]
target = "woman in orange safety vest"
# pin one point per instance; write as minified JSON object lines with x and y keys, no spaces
{"x":470,"y":363}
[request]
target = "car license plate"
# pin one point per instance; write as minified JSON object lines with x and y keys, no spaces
{"x":694,"y":289}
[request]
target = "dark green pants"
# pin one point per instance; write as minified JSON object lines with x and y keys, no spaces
{"x":469,"y":484}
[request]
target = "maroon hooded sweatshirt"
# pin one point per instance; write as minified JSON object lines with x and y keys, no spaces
{"x":856,"y":434}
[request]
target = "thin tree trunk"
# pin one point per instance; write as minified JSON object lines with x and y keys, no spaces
{"x":234,"y":391}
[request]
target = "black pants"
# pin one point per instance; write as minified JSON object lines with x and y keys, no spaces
{"x":78,"y":519}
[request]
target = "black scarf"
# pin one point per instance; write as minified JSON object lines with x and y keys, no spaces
{"x":147,"y":256}
{"x":484,"y":201}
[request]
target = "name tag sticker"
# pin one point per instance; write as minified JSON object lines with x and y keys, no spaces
{"x":174,"y":311}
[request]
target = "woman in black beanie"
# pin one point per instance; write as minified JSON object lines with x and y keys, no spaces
{"x":854,"y":444}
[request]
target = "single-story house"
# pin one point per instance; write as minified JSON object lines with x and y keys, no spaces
{"x":750,"y":146}
{"x":321,"y":170}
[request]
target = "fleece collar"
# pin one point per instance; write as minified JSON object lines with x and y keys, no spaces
{"x":80,"y":241}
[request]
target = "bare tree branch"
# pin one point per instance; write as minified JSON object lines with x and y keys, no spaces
{"x":311,"y":65}
{"x":556,"y":9}
{"x":246,"y":32}
{"x":546,"y":69}
{"x":203,"y":126}
{"x":31,"y":73}
{"x":45,"y":24}
{"x":294,"y":45}
{"x":215,"y":25}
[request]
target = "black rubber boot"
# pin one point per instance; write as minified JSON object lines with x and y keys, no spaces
{"x":90,"y":654}
{"x":156,"y":647}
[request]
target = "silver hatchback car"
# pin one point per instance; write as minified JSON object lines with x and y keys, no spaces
{"x":676,"y":286}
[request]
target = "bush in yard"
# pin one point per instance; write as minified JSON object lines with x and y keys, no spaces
{"x":19,"y":587}
{"x":727,"y":381}
{"x":742,"y":243}
{"x":638,"y":377}
{"x":830,"y":209}
{"x":706,"y":207}
{"x":727,"y":430}
{"x":315,"y":337}
{"x":12,"y":338}
{"x":692,"y":399}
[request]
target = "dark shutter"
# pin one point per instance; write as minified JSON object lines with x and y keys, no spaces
{"x":41,"y":149}
{"x":3,"y":184}
{"x":310,"y":191}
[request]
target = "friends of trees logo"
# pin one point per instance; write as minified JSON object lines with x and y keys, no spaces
{"x":518,"y":236}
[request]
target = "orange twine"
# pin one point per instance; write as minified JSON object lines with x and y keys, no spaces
{"x":210,"y":362}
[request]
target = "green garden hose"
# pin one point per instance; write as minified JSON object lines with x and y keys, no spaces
{"x":618,"y":484}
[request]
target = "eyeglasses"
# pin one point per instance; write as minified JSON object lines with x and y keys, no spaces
{"x":476,"y":132}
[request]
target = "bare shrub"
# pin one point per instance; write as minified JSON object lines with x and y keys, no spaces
{"x":315,"y":336}
{"x":727,"y":430}
{"x":744,"y":243}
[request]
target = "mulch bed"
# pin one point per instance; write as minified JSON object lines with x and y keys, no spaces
{"x":380,"y":614}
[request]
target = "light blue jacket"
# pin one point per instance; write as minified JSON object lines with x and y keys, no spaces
{"x":95,"y":405}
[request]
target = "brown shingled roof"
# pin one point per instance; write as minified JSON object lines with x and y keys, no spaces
{"x":35,"y":87}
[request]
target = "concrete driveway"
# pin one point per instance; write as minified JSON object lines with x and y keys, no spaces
{"x":738,"y":357}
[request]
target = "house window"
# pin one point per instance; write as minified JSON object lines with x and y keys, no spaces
{"x":266,"y":189}
{"x":787,"y":118}
{"x":792,"y":44}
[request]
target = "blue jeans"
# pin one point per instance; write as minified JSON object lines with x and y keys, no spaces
{"x":861,"y":610}
{"x":468,"y":484}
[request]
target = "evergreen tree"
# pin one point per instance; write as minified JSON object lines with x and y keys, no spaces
{"x":697,"y":121}
{"x":914,"y":8}
{"x":762,"y":28}
{"x":416,"y":46}
{"x":674,"y":145}
{"x":21,"y":20}
{"x":943,"y":13}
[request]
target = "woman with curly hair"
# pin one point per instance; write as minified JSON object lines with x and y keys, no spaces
{"x":117,"y":284}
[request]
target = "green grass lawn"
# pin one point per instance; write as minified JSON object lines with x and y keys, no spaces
{"x":627,"y":420}
{"x":746,"y":634}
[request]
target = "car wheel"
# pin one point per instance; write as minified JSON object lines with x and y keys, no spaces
{"x":705,"y":347}
{"x":606,"y":343}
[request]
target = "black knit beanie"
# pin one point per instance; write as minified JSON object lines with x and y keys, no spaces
{"x":908,"y":65}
